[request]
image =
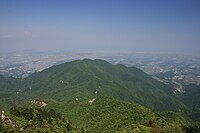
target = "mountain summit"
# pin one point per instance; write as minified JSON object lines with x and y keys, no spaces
{"x":86,"y":79}
{"x":82,"y":78}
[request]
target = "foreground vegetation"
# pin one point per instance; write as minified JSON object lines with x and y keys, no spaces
{"x":111,"y":115}
{"x":104,"y":114}
{"x":39,"y":120}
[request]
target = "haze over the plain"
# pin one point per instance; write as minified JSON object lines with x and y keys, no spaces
{"x":167,"y":26}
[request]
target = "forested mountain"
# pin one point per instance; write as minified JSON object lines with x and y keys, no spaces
{"x":104,"y":114}
{"x":98,"y":97}
{"x":31,"y":120}
{"x":191,"y":95}
{"x":81,"y":78}
{"x":110,"y":115}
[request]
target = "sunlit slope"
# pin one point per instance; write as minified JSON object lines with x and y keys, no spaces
{"x":82,"y":78}
{"x":106,"y":114}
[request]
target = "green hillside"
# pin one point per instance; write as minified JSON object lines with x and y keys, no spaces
{"x":191,"y":99}
{"x":124,"y":99}
{"x":106,"y":114}
{"x":81,"y":78}
{"x":36,"y":120}
{"x":191,"y":96}
{"x":11,"y":92}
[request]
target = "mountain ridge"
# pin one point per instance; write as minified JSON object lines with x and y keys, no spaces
{"x":81,"y":78}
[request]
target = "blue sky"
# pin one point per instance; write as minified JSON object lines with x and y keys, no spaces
{"x":160,"y":26}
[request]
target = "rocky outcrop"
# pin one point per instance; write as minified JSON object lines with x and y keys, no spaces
{"x":6,"y":120}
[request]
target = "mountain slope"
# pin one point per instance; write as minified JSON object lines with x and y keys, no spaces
{"x":106,"y":114}
{"x":191,"y":99}
{"x":30,"y":120}
{"x":82,"y":78}
{"x":11,"y":92}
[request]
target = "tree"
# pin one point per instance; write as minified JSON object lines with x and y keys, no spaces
{"x":14,"y":111}
{"x":52,"y":113}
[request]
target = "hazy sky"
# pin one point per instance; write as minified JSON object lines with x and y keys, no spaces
{"x":161,"y":26}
